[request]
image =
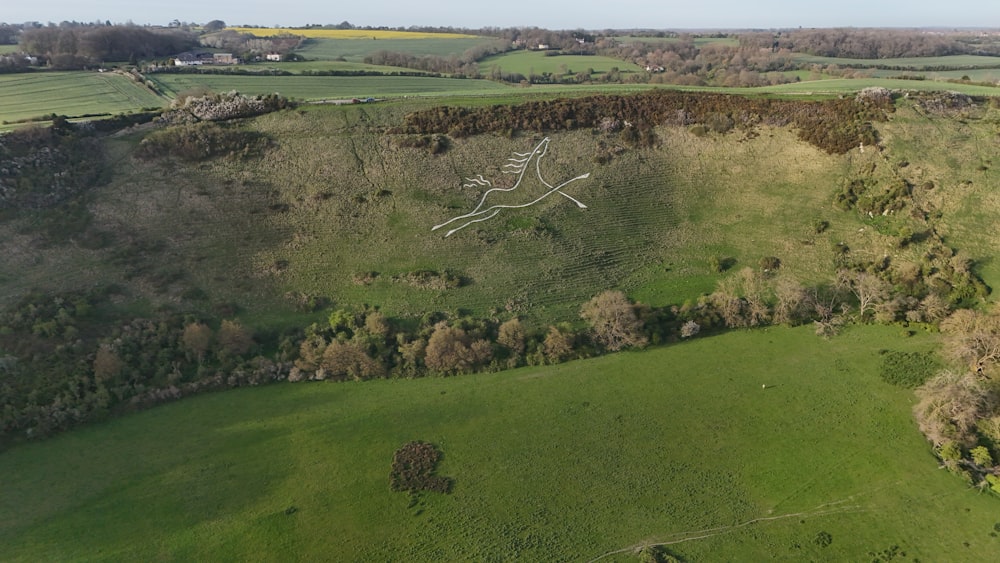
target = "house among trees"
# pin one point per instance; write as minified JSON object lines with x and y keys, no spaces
{"x":196,"y":59}
{"x":273,"y":57}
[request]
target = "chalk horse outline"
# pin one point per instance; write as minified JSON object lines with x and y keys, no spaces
{"x":518,"y":164}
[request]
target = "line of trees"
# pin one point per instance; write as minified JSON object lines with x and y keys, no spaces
{"x":84,"y":45}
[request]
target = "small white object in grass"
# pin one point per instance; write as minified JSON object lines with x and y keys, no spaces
{"x":763,"y":386}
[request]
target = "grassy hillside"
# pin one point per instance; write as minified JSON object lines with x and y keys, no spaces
{"x":334,"y":198}
{"x":678,"y":445}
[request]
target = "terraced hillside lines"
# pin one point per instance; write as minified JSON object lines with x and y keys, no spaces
{"x":355,"y":50}
{"x":564,"y":462}
{"x":325,"y":87}
{"x":71,"y":93}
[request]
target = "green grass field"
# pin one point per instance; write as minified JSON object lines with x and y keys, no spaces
{"x":677,"y":445}
{"x":527,"y":62}
{"x":320,"y":65}
{"x":355,"y":50}
{"x":326,"y":87}
{"x":71,"y":93}
{"x":6,"y":49}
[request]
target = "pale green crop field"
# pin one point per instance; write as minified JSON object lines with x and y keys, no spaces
{"x":74,"y":93}
{"x":325,"y":87}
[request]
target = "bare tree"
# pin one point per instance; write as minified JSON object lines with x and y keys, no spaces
{"x":234,"y":339}
{"x":973,"y":337}
{"x":558,"y":345}
{"x":346,"y":360}
{"x":869,"y":289}
{"x":613,"y":321}
{"x":950,"y":405}
{"x":197,"y":339}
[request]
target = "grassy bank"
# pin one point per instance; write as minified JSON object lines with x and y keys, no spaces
{"x":679,"y":444}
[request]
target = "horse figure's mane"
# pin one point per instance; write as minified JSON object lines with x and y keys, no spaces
{"x":518,"y":164}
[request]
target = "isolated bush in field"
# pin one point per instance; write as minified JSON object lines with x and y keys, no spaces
{"x":613,"y":321}
{"x":413,"y":466}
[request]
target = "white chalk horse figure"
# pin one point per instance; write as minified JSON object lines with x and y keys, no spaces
{"x":518,"y":165}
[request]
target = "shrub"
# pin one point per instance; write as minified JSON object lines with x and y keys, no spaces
{"x":907,"y":369}
{"x":413,"y":467}
{"x":201,"y":141}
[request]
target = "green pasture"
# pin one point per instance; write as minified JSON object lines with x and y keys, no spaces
{"x":325,"y":87}
{"x":747,"y":446}
{"x":849,"y":85}
{"x":976,"y":75}
{"x":320,"y":66}
{"x":7,"y":49}
{"x":355,"y":50}
{"x":71,"y":93}
{"x":968,"y":61}
{"x":528,"y":62}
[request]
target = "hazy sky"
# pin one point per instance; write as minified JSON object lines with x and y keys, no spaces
{"x":552,"y":14}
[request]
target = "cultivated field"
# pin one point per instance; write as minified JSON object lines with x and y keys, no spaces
{"x":371,"y":34}
{"x":356,"y":50}
{"x":678,"y":445}
{"x":72,"y":94}
{"x":536,"y":62}
{"x":325,"y":87}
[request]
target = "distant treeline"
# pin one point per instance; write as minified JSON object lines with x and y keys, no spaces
{"x":833,"y":125}
{"x":872,"y":43}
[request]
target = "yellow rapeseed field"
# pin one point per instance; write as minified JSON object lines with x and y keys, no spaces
{"x":346,"y":33}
